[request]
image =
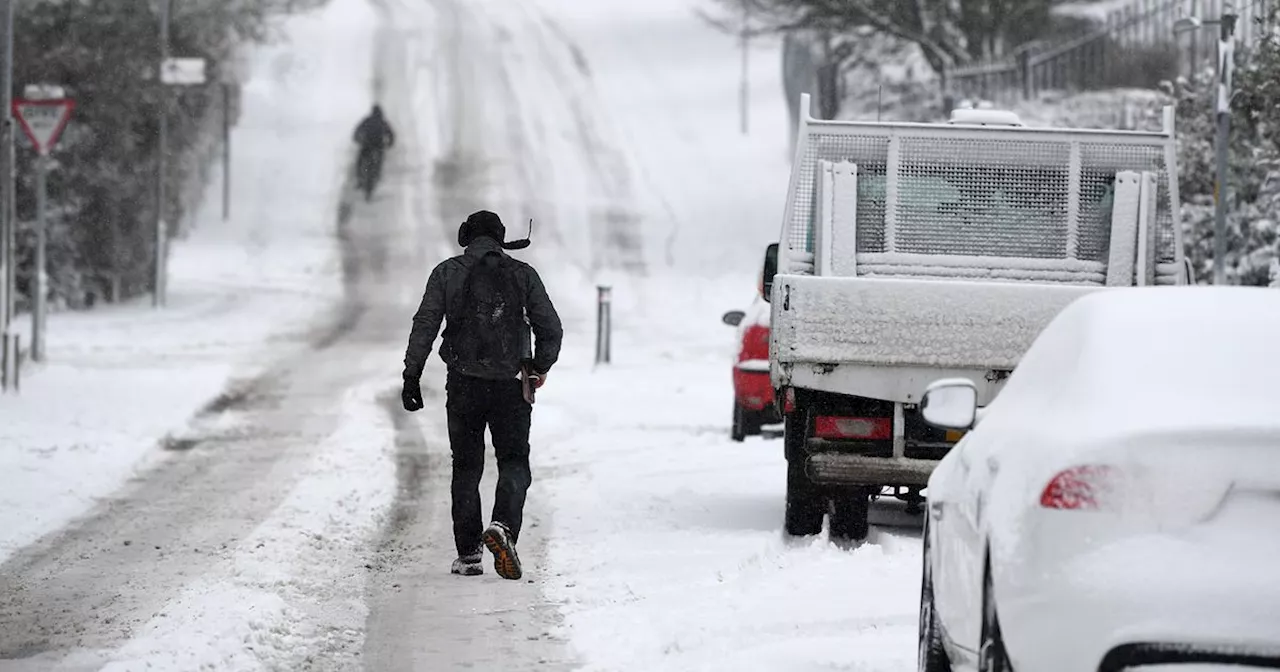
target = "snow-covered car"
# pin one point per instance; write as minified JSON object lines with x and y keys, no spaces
{"x":1115,"y":506}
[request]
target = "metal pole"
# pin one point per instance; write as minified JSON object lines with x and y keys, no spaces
{"x":603,"y":302}
{"x":1220,"y":198}
{"x":11,"y":344}
{"x":8,"y":286}
{"x":162,"y":227}
{"x":226,"y":152}
{"x":40,"y":309}
{"x":1223,"y":109}
{"x":744,"y":93}
{"x":608,"y":328}
{"x":599,"y":324}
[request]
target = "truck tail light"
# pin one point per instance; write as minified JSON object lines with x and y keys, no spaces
{"x":1084,"y":488}
{"x":828,"y":427}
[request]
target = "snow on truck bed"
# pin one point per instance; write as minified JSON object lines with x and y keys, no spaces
{"x":954,"y":324}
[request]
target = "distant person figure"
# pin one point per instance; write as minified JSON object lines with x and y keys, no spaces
{"x":489,"y":302}
{"x":375,"y":137}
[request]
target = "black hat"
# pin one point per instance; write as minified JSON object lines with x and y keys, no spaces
{"x":485,"y":223}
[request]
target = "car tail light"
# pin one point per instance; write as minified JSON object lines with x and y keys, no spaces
{"x":1087,"y":487}
{"x":755,"y":343}
{"x":826,"y":427}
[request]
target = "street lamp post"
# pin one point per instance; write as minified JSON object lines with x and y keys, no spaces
{"x":160,"y":258}
{"x":1224,"y":69}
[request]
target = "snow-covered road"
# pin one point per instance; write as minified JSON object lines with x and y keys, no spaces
{"x":300,"y":519}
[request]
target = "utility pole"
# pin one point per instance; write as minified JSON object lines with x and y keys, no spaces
{"x":226,"y":151}
{"x":744,"y":96}
{"x":8,"y":257}
{"x":161,"y":256}
{"x":1223,"y":68}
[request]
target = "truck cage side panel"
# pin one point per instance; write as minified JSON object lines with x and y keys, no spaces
{"x":1033,"y":201}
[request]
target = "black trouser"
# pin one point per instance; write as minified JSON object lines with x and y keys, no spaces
{"x":369,"y":166}
{"x":473,"y":404}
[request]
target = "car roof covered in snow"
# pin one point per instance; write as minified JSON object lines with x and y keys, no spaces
{"x":1150,"y":361}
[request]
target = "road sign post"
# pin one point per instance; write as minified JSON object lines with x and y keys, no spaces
{"x":43,"y":115}
{"x":8,"y":361}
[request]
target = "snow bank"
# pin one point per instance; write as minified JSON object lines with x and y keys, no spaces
{"x":709,"y":197}
{"x":120,"y":378}
{"x":666,"y":546}
{"x":914,"y":322}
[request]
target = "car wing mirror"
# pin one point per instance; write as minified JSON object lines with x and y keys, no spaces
{"x":951,"y":403}
{"x":769,"y":271}
{"x":733,"y":318}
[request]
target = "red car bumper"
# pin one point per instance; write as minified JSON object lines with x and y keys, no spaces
{"x":752,"y":389}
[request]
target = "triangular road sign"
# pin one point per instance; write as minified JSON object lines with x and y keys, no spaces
{"x":43,"y":120}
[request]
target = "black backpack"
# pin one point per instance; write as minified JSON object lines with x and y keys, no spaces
{"x":486,"y":321}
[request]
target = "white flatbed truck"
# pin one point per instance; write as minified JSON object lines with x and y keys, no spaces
{"x":914,"y":252}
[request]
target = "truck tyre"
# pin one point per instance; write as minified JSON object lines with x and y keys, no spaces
{"x":804,"y":502}
{"x":849,"y":515}
{"x":804,"y":499}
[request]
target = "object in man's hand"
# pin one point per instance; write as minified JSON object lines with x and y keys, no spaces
{"x":530,"y":381}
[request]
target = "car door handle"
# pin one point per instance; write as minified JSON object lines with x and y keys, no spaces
{"x":993,"y":465}
{"x":935,"y":509}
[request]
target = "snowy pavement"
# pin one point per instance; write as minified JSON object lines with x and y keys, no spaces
{"x":121,"y":378}
{"x":296,"y":518}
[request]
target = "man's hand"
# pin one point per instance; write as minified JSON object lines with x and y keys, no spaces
{"x":538,"y":379}
{"x":411,"y":396}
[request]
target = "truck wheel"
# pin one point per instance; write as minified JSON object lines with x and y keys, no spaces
{"x":849,"y":515}
{"x":804,"y":503}
{"x":738,"y":431}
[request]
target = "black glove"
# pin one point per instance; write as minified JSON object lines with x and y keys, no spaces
{"x":411,"y":395}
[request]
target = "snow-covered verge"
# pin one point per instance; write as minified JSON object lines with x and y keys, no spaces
{"x":666,"y":548}
{"x":708,"y":197}
{"x":119,"y":379}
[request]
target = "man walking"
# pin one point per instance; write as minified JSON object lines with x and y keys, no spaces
{"x":488,"y":302}
{"x":375,"y":136}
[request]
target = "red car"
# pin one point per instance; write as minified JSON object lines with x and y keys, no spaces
{"x":753,"y":398}
{"x":753,"y":405}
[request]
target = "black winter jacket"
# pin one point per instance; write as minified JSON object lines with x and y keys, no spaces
{"x":445,"y":282}
{"x":374,"y":133}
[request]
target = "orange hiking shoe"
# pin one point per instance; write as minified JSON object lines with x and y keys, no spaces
{"x":505,"y":561}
